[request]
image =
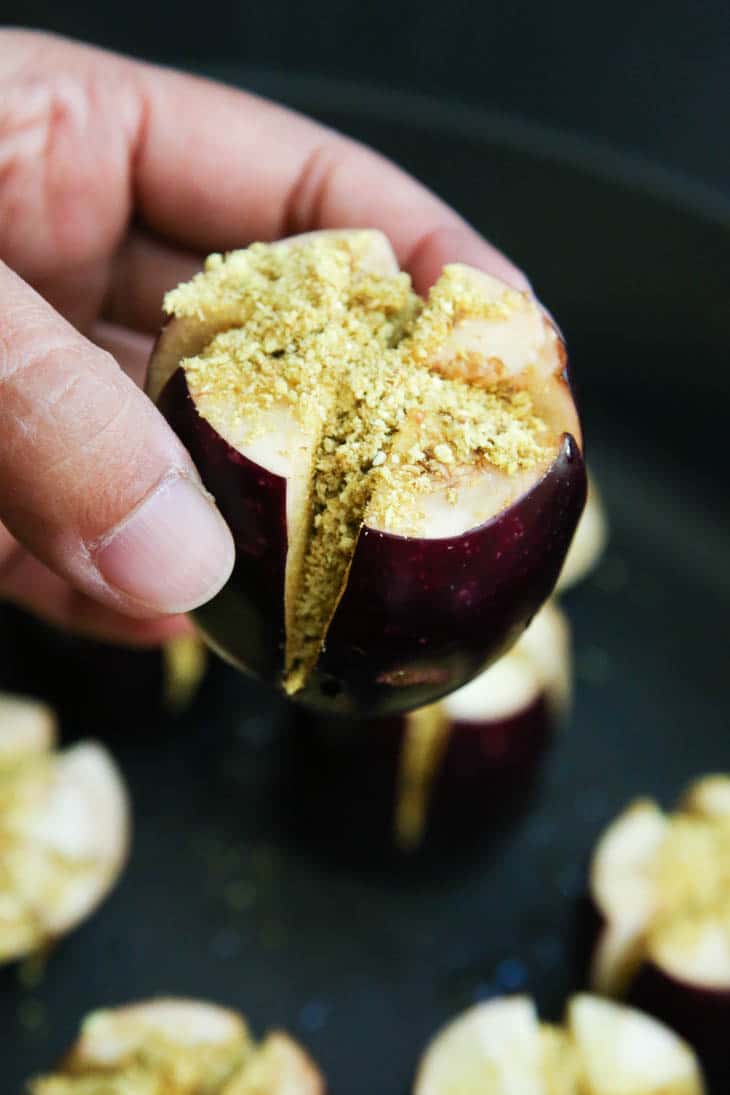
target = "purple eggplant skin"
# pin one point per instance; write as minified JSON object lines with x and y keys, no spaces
{"x":418,"y":618}
{"x":488,"y":769}
{"x":246,"y":620}
{"x":346,"y":776}
{"x":699,"y":1013}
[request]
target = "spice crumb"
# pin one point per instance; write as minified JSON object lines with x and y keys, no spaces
{"x":357,"y":358}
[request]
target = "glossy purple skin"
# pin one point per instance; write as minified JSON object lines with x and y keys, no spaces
{"x":489,"y":766}
{"x":349,"y":771}
{"x":698,"y":1013}
{"x":246,"y":620}
{"x":418,"y":617}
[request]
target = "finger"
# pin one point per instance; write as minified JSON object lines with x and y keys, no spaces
{"x":65,"y":194}
{"x":210,"y":168}
{"x":28,"y":583}
{"x":235,"y":168}
{"x":458,"y":243}
{"x":92,"y":480}
{"x":130,"y":349}
{"x":143,"y":270}
{"x":51,"y":599}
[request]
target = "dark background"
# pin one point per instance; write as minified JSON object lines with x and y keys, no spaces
{"x":364,"y":965}
{"x":649,"y":77}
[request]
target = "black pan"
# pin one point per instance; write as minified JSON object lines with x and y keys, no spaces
{"x":227,"y":896}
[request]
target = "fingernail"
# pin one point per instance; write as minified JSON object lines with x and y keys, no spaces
{"x":173,"y":553}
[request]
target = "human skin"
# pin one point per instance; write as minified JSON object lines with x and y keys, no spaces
{"x":116,"y":178}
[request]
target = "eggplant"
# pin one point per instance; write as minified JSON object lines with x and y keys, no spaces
{"x":500,"y":1047}
{"x":64,"y":830}
{"x":444,"y":773}
{"x":659,"y":909}
{"x":402,"y":479}
{"x":179,"y":1046}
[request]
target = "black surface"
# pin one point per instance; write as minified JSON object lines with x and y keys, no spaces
{"x":222,"y":900}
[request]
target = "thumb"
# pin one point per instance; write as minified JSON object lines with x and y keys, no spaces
{"x":92,"y":480}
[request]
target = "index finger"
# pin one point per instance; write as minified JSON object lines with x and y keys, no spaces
{"x":205,"y":166}
{"x":217,"y":168}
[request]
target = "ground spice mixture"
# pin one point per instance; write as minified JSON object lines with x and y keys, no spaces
{"x":355,"y":359}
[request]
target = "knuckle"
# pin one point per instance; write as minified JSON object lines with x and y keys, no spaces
{"x":307,"y":198}
{"x":38,"y":121}
{"x":65,"y":136}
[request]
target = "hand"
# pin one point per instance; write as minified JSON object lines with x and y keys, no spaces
{"x":115,"y":179}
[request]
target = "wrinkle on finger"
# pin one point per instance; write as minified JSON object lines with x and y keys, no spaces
{"x":237,"y":168}
{"x":66,"y":130}
{"x":130,"y":349}
{"x":66,"y":404}
{"x":304,"y":204}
